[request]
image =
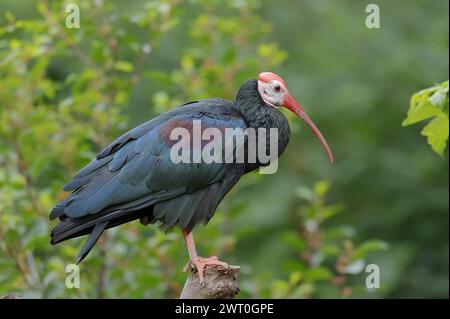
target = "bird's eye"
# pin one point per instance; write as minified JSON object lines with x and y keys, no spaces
{"x":277,"y":87}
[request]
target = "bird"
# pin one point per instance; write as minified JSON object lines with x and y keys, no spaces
{"x":135,"y":178}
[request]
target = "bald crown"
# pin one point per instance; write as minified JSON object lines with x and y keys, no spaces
{"x":266,"y":77}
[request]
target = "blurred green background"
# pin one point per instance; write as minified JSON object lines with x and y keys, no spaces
{"x":307,"y":231}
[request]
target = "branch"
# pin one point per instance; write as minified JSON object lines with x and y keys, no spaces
{"x":219,"y":283}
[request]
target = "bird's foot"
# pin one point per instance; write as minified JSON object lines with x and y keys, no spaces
{"x":199,"y":264}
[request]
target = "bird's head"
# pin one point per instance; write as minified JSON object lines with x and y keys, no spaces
{"x":274,"y":92}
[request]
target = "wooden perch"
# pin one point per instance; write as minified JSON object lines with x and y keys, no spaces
{"x":219,"y":283}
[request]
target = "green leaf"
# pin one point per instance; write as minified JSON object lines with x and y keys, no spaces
{"x":280,"y":287}
{"x":436,"y":133}
{"x":322,"y":187}
{"x":365,"y":248}
{"x":295,"y":277}
{"x":317,"y":274}
{"x":421,"y":108}
{"x":438,"y":98}
{"x":294,"y":241}
{"x":123,"y":66}
{"x":431,"y":102}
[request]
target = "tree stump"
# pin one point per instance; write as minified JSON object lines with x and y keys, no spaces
{"x":219,"y":283}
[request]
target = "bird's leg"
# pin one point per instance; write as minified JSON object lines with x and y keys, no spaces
{"x":195,"y":261}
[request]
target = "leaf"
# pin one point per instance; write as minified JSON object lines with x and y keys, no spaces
{"x":187,"y":62}
{"x":305,"y":193}
{"x":438,"y":98}
{"x":280,"y":287}
{"x":317,"y":274}
{"x":294,"y":278}
{"x":293,"y":240}
{"x":123,"y":66}
{"x":371,"y":245}
{"x":421,"y":108}
{"x":303,"y":291}
{"x":436,"y":133}
{"x":321,"y":188}
{"x":431,"y":102}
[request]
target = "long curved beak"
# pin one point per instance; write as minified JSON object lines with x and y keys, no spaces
{"x":293,"y":106}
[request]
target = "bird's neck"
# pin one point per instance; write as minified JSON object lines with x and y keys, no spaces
{"x":258,"y":114}
{"x":251,"y":105}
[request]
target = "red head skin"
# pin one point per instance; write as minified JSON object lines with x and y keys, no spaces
{"x":274,"y":92}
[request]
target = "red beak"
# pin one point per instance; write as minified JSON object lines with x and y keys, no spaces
{"x":293,"y":106}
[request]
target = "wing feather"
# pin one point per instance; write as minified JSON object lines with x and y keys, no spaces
{"x":135,"y":173}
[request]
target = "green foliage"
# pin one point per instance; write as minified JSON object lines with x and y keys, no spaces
{"x":431,"y":103}
{"x":327,"y":261}
{"x":216,"y":62}
{"x":52,"y":124}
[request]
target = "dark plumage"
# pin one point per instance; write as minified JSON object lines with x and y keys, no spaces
{"x":134,"y":178}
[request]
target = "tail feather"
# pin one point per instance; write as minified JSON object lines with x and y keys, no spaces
{"x":93,"y":237}
{"x":92,"y":226}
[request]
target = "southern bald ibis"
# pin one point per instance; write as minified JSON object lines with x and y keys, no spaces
{"x":135,"y":178}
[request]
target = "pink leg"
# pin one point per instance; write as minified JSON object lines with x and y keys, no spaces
{"x":197,"y":262}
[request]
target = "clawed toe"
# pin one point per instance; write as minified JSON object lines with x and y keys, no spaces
{"x":199,"y":263}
